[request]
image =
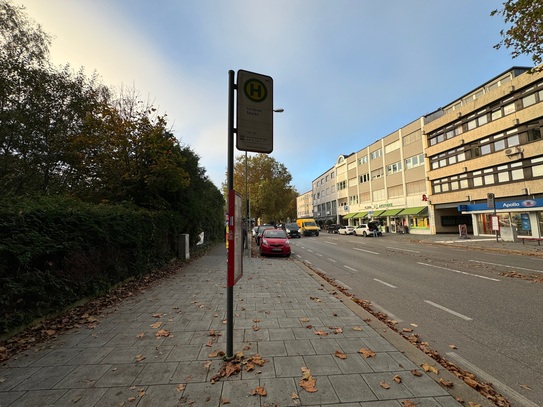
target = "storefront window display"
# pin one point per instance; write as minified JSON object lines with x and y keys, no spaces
{"x":419,"y":222}
{"x":540,"y":221}
{"x":520,"y":220}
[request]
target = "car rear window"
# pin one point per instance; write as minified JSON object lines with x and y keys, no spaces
{"x":274,"y":233}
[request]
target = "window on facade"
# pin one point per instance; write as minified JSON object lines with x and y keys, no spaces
{"x":537,"y":168}
{"x":534,"y":134}
{"x":517,"y":174}
{"x":363,"y":160}
{"x":392,"y":146}
{"x":412,"y":137}
{"x":485,"y":149}
{"x":394,"y":168}
{"x":508,"y":109}
{"x":352,"y":182}
{"x":489,"y":179}
{"x":499,"y":145}
{"x":416,"y":187}
{"x":376,"y":154}
{"x":496,"y":114}
{"x":528,"y":100}
{"x":477,"y":181}
{"x":364,"y":178}
{"x":378,"y":173}
{"x":396,"y":191}
{"x":472,"y":124}
{"x":482,"y":120}
{"x":503,"y":177}
{"x":379,"y":195}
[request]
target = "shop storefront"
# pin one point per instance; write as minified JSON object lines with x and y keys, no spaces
{"x":525,"y":216}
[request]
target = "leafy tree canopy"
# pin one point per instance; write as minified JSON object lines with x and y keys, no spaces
{"x":271,"y":196}
{"x":524,"y":34}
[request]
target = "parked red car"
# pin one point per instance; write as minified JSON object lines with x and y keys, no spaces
{"x":274,"y":242}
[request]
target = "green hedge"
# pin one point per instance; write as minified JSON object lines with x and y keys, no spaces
{"x":57,"y":251}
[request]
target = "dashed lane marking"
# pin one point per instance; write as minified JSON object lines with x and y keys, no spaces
{"x":385,"y":283}
{"x":460,"y":272}
{"x":450,"y":311}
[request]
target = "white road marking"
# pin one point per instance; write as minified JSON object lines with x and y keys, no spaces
{"x":318,"y":254}
{"x":307,"y":261}
{"x":343,"y":285}
{"x":501,"y":387}
{"x":384,"y":311}
{"x":458,"y":271}
{"x":387,"y":284}
{"x":332,"y":260}
{"x":405,"y":250}
{"x":298,"y":256}
{"x":310,"y":251}
{"x":362,"y":250}
{"x":350,"y":268}
{"x":326,"y":241}
{"x":450,"y":311}
{"x":321,"y":270}
{"x":504,"y":265}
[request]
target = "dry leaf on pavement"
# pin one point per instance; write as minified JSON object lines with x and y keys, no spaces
{"x":397,"y":379}
{"x":367,"y":353}
{"x":384,"y":385}
{"x":415,"y":372}
{"x":427,"y":368}
{"x":445,"y":383}
{"x":260,"y":391}
{"x":307,"y":381}
{"x":341,"y":355}
{"x":162,"y":332}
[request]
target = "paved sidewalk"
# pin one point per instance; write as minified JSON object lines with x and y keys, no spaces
{"x":154,"y":349}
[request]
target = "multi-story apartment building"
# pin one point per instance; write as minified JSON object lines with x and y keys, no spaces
{"x":304,"y":205}
{"x":440,"y":171}
{"x":324,"y":202}
{"x":488,"y":141}
{"x":384,"y":182}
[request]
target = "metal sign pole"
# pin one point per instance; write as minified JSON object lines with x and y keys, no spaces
{"x":230,"y":186}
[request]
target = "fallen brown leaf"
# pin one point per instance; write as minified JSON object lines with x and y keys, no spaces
{"x":321,"y":333}
{"x":162,"y":332}
{"x":445,"y":383}
{"x":341,"y":355}
{"x":259,"y":391}
{"x":427,"y":368}
{"x":139,"y":357}
{"x":408,"y":403}
{"x":357,"y":328}
{"x":397,"y":379}
{"x":415,"y":372}
{"x":384,"y":385}
{"x":308,"y":382}
{"x":525,"y":387}
{"x":367,"y":353}
{"x":180,"y":387}
{"x":156,"y":325}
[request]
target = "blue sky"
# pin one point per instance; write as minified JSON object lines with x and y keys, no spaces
{"x":347,"y":72}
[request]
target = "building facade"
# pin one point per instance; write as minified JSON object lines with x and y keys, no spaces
{"x":440,"y":173}
{"x":485,"y":157}
{"x":304,"y":205}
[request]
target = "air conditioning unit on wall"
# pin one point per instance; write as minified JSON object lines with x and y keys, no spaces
{"x":513,"y":151}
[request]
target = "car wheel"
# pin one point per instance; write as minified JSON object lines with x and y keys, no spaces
{"x":364,"y":234}
{"x":316,"y":234}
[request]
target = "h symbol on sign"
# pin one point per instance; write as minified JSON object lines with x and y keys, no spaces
{"x":255,"y":88}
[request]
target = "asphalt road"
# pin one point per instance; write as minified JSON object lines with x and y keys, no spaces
{"x":455,"y":299}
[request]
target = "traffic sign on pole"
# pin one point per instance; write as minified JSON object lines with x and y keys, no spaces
{"x":254,"y":112}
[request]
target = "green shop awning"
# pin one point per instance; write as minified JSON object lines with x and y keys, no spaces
{"x":349,"y":215}
{"x":391,"y":212}
{"x":360,"y":215}
{"x":375,"y":214}
{"x":414,"y":211}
